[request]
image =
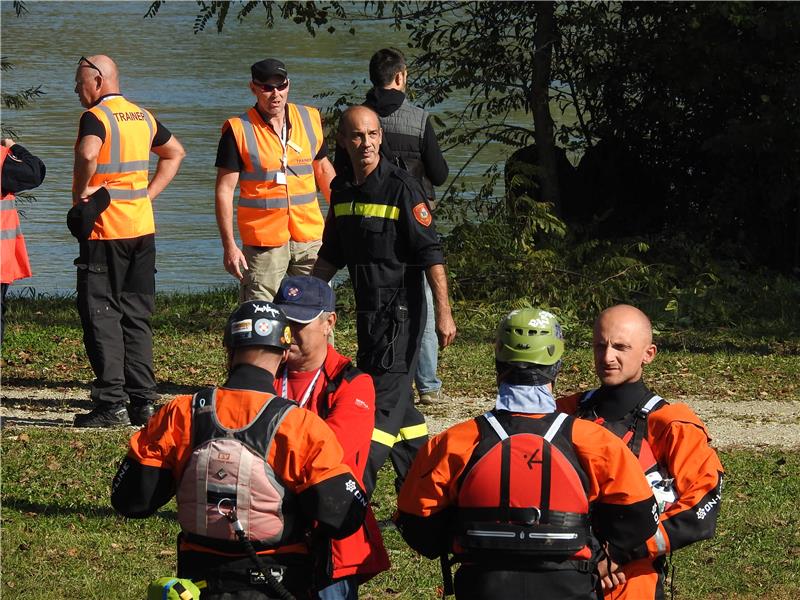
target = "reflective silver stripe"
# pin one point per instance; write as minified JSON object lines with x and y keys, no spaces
{"x":150,"y":125}
{"x":304,"y":198}
{"x":8,"y":205}
{"x":651,"y":404}
{"x":124,"y":167}
{"x":551,"y":433}
{"x":128,"y":194}
{"x":552,"y":536}
{"x":301,"y":169}
{"x":306,"y":118}
{"x":243,"y":488}
{"x":252,"y":147}
{"x":482,"y":533}
{"x":10,"y":234}
{"x":498,"y":429}
{"x":661,"y":543}
{"x":263,"y":203}
{"x":258,"y":175}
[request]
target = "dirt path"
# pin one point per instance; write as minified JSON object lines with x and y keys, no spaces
{"x":744,"y":424}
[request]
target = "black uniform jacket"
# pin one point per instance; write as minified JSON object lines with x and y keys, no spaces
{"x":384,"y":233}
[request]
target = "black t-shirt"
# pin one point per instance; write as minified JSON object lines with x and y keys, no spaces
{"x":91,"y":125}
{"x":228,"y":156}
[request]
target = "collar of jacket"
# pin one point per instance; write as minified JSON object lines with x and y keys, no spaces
{"x":615,"y":402}
{"x":250,"y":377}
{"x":384,"y":101}
{"x":528,"y":399}
{"x":372,"y":185}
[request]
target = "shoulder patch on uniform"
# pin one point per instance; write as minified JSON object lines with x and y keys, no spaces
{"x":14,"y":158}
{"x":422,"y":214}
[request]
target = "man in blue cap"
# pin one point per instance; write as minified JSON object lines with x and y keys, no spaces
{"x":323,"y":381}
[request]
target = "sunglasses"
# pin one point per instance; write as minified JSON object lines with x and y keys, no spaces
{"x":89,"y":64}
{"x":268,"y":87}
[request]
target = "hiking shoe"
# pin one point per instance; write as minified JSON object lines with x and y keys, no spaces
{"x":429,"y":398}
{"x":103,"y":416}
{"x":139,"y":414}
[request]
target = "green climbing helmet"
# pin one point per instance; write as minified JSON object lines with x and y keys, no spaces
{"x":529,"y":335}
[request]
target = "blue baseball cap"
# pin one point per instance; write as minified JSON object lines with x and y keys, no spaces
{"x":303,"y":298}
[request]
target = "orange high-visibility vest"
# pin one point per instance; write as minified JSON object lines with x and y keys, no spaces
{"x":270,"y":213}
{"x":122,"y":167}
{"x":14,"y":262}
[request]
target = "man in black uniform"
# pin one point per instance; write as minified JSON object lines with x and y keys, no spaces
{"x":380,"y":226}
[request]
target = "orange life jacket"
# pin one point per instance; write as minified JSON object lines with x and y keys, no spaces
{"x":270,"y":213}
{"x":122,"y":168}
{"x":523,"y":493}
{"x":14,"y":262}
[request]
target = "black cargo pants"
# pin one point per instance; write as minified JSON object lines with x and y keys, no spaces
{"x":116,"y":298}
{"x":400,"y":429}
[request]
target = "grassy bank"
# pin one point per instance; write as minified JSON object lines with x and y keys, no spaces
{"x":61,"y":538}
{"x":43,"y":347}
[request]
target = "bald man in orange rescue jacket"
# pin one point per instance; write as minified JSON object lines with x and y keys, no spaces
{"x":670,"y":440}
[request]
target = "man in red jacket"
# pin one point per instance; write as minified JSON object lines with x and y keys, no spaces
{"x":670,"y":441}
{"x":323,"y":381}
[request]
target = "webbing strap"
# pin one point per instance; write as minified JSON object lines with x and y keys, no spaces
{"x":243,"y":493}
{"x":640,"y":424}
{"x":551,"y":433}
{"x":501,"y":433}
{"x":651,"y":404}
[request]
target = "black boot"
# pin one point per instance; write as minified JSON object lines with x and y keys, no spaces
{"x":140,"y":412}
{"x":104,"y":415}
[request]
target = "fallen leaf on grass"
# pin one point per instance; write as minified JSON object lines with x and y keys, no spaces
{"x":167,"y":553}
{"x":72,"y":552}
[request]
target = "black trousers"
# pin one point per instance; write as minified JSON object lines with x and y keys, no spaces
{"x":473,"y":582}
{"x":400,"y":429}
{"x":116,"y":298}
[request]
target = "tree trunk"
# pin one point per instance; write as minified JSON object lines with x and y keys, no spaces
{"x":543,"y":41}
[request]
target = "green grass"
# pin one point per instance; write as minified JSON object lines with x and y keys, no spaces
{"x":43,"y":347}
{"x":61,"y":538}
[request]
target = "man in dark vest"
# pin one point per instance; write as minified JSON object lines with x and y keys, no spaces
{"x":409,"y":134}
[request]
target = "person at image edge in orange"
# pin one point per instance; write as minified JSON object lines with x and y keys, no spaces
{"x":671,"y":441}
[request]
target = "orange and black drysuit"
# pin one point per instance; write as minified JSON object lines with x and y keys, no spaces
{"x":306,"y":460}
{"x":616,"y":499}
{"x":344,"y":397}
{"x":677,"y":442}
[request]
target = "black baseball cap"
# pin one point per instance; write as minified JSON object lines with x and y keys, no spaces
{"x":303,"y":298}
{"x":82,"y":217}
{"x":269,"y":67}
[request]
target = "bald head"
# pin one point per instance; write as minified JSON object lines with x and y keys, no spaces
{"x":360,"y":135}
{"x":623,"y":344}
{"x":95,"y":77}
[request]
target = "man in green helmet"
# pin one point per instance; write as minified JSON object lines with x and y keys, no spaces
{"x":517,"y":494}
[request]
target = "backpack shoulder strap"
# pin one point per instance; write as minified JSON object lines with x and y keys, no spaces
{"x":554,"y":427}
{"x":640,"y":423}
{"x":586,"y":404}
{"x":495,"y":424}
{"x":204,"y":424}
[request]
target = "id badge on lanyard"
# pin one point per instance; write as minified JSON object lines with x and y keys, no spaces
{"x":280,"y":176}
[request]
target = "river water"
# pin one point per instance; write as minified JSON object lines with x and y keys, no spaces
{"x":192,"y":83}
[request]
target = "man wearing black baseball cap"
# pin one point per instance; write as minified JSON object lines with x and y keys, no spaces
{"x":277,"y":155}
{"x":323,"y":381}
